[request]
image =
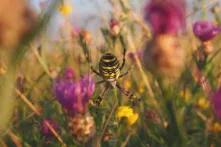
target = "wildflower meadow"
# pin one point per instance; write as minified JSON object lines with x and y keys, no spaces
{"x":111,"y":73}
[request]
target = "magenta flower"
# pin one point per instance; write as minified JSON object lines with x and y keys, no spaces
{"x":87,"y":87}
{"x":165,"y":16}
{"x":69,"y":73}
{"x":45,"y":129}
{"x":74,"y":95}
{"x":113,"y":23}
{"x":67,"y":93}
{"x":216,"y":102}
{"x":205,"y":30}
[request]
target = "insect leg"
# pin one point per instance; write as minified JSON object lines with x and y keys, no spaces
{"x":122,"y":90}
{"x":99,"y":99}
{"x":100,"y":82}
{"x":129,"y":94}
{"x":95,"y":71}
{"x":124,"y":74}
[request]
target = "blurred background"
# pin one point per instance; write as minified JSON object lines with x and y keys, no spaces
{"x":93,"y":14}
{"x":48,"y":59}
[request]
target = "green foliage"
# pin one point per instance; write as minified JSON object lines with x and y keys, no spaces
{"x":178,"y":119}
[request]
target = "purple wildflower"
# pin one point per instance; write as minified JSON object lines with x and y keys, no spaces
{"x":67,"y":93}
{"x":216,"y":102}
{"x":205,"y":30}
{"x":69,"y":73}
{"x":165,"y":16}
{"x":74,"y":95}
{"x":45,"y":129}
{"x":87,"y":87}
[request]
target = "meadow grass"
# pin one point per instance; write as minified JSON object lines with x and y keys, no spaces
{"x":171,"y":112}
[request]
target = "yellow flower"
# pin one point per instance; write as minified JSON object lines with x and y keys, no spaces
{"x":128,"y":113}
{"x":65,"y":9}
{"x":133,"y":118}
{"x":216,"y":127}
{"x":203,"y":103}
{"x":186,"y":95}
{"x":124,"y":111}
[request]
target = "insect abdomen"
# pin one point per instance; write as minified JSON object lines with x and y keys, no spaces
{"x":109,"y":67}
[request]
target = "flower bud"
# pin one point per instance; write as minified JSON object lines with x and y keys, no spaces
{"x":86,"y":36}
{"x":205,"y":30}
{"x":114,"y":27}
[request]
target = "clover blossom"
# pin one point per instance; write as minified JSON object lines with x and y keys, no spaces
{"x":205,"y":30}
{"x":165,"y":16}
{"x":73,"y":94}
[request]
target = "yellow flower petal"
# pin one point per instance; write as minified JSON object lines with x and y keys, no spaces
{"x":132,"y":119}
{"x":124,"y":111}
{"x":65,"y":9}
{"x":203,"y":103}
{"x":128,"y":113}
{"x":216,"y":127}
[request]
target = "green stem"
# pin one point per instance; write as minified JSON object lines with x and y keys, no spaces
{"x":99,"y":138}
{"x":42,"y":62}
{"x":175,"y":137}
{"x":124,"y":144}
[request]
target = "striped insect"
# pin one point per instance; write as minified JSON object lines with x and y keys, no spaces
{"x":110,"y":70}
